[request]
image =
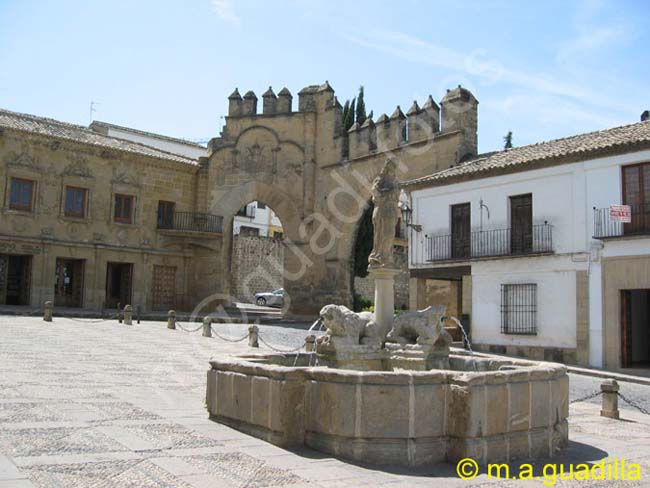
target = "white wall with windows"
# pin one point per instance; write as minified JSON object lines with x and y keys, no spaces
{"x":564,"y":196}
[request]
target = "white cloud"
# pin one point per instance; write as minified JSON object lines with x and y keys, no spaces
{"x":226,"y":11}
{"x":589,"y":41}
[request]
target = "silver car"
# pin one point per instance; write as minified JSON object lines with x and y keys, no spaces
{"x":273,"y":299}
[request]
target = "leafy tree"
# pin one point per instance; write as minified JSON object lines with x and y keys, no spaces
{"x":507,"y":140}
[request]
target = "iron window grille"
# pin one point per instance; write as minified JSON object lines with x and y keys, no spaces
{"x":519,"y":309}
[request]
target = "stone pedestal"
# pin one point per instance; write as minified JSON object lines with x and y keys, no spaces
{"x":384,"y":297}
{"x":610,"y":399}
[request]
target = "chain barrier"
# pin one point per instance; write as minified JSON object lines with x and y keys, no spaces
{"x":586,"y":397}
{"x":185,"y":329}
{"x":93,"y":321}
{"x":225,"y":338}
{"x":280,"y":350}
{"x":633,"y":403}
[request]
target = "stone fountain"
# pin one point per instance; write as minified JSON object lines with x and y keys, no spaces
{"x":388,"y":390}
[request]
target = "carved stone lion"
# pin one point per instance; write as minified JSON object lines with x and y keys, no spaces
{"x":422,"y":327}
{"x":357,"y":328}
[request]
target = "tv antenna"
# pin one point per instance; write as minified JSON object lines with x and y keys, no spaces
{"x":92,"y":110}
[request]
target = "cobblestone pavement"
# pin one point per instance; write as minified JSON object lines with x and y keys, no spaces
{"x":85,"y":403}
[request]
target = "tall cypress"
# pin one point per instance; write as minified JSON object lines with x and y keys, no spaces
{"x":361,"y":108}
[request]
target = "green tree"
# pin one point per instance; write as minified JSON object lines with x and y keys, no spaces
{"x":364,"y":243}
{"x":361,"y":108}
{"x":507,"y":140}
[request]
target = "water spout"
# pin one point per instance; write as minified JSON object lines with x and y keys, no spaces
{"x":462,"y":329}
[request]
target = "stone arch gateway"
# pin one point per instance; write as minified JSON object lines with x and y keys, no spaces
{"x":317,"y":177}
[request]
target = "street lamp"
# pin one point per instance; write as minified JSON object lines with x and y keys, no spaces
{"x":407,"y":212}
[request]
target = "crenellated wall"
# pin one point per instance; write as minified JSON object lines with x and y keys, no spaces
{"x":317,"y":177}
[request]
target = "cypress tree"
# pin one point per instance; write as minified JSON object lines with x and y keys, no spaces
{"x":364,"y":243}
{"x":361,"y":108}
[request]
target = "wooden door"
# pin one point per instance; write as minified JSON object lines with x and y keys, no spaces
{"x":166,"y":215}
{"x":163,"y":288}
{"x":3,"y":279}
{"x":461,"y":231}
{"x":521,"y":219}
{"x":636,"y":193}
{"x":68,"y":287}
{"x":626,"y":328}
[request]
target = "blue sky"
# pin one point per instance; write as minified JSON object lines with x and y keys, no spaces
{"x":541,"y":69}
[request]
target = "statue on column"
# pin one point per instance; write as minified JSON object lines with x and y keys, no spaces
{"x":385,"y":196}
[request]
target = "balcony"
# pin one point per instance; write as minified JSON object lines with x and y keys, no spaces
{"x":639,"y":226}
{"x":489,"y":243}
{"x":190,"y":222}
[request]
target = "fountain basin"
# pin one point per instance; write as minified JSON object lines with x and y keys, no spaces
{"x":491,"y":410}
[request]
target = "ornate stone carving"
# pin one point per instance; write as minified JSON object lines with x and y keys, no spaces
{"x":421,"y":327}
{"x":385,"y":196}
{"x":23,"y":159}
{"x":78,"y":167}
{"x":125,"y":177}
{"x":351,"y":327}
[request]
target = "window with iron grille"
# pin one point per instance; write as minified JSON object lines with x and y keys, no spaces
{"x":519,"y":309}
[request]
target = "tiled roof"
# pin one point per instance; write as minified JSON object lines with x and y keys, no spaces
{"x":558,"y":151}
{"x":79,"y":133}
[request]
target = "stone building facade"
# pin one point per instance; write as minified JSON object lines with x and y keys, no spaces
{"x":90,"y":220}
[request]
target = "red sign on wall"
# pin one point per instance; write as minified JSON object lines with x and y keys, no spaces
{"x":620,"y":213}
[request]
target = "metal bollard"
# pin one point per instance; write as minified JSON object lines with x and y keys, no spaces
{"x":171,"y":319}
{"x":207,"y":326}
{"x":137,"y":314}
{"x":253,"y":336}
{"x":128,"y":315}
{"x":119,"y":312}
{"x":310,"y":343}
{"x":47,"y":311}
{"x":610,"y":399}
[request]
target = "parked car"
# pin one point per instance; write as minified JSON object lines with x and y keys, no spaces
{"x":273,"y":299}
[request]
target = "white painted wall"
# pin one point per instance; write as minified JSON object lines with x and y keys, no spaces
{"x":188,"y":150}
{"x":565,"y":197}
{"x":263,"y":216}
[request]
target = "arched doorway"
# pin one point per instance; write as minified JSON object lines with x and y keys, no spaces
{"x":257,"y":262}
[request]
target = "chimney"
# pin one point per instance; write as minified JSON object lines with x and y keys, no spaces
{"x":645,"y":115}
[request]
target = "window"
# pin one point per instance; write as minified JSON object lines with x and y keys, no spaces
{"x":123,"y":209}
{"x":519,"y":309}
{"x":249,"y":231}
{"x":261,"y":205}
{"x":21,"y":194}
{"x":166,"y":215}
{"x":461,"y":231}
{"x":521,"y":219}
{"x":75,"y":202}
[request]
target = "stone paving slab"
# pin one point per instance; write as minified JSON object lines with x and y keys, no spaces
{"x":107,"y":405}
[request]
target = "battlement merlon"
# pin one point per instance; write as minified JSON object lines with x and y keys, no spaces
{"x":458,"y":111}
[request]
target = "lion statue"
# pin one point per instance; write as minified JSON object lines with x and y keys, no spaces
{"x":422,"y":327}
{"x":357,"y":328}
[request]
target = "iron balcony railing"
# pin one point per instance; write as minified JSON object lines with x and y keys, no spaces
{"x":640,"y":224}
{"x":191,"y":221}
{"x":490,"y":243}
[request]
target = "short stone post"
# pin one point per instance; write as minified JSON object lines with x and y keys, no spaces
{"x":310,"y":343}
{"x":253,"y":336}
{"x":207,"y":326}
{"x":47,"y":311}
{"x":610,"y":399}
{"x":128,"y":315}
{"x":171,"y":319}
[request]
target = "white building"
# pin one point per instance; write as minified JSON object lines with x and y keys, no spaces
{"x":254,"y":219}
{"x":525,"y":241}
{"x":257,"y":219}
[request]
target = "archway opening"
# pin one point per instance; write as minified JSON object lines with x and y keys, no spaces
{"x":258,"y":257}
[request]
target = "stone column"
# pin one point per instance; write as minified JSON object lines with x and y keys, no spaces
{"x":47,"y":311}
{"x":253,"y":336}
{"x":610,"y":399}
{"x":207,"y":326}
{"x":384,"y":297}
{"x":171,"y":319}
{"x":128,"y":315}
